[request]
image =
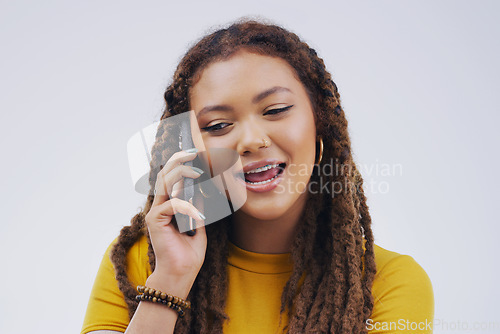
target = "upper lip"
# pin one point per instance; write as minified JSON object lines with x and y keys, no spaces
{"x":261,"y":163}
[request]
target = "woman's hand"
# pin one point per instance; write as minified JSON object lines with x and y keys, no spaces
{"x":179,"y":257}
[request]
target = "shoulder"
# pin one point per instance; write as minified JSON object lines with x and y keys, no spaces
{"x":139,"y":248}
{"x":107,"y":309}
{"x":402,"y":290}
{"x":393,"y":267}
{"x":137,"y":259}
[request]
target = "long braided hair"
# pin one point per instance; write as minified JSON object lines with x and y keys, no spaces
{"x":333,"y":244}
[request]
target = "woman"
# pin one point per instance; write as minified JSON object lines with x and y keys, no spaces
{"x":295,"y":257}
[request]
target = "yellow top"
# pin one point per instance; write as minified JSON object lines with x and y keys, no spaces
{"x":402,"y":291}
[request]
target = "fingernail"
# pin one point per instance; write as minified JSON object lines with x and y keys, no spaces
{"x":197,"y":170}
{"x":201,"y":215}
{"x":192,"y":150}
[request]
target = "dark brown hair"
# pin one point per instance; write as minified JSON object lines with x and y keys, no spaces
{"x":328,"y":245}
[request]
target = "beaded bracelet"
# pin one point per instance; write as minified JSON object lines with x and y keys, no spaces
{"x":156,"y":296}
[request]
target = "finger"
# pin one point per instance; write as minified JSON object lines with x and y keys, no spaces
{"x":179,"y":158}
{"x":178,"y":173}
{"x":176,"y":159}
{"x":165,"y":183}
{"x":198,"y":202}
{"x":162,"y":214}
{"x":177,"y":189}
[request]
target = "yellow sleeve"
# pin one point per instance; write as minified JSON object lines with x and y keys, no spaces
{"x":403,"y":299}
{"x":106,"y":309}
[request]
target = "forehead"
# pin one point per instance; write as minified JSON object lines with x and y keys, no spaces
{"x":242,"y":73}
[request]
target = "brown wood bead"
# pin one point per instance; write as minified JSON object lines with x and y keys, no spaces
{"x":156,"y":296}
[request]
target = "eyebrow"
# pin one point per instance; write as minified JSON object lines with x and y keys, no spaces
{"x":256,"y":99}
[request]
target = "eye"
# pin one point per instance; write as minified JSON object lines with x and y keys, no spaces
{"x":278,"y":110}
{"x":216,"y":127}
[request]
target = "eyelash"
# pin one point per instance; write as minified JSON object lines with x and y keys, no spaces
{"x":278,"y":110}
{"x":213,"y":128}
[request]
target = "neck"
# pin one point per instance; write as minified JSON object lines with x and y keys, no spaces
{"x":266,"y":236}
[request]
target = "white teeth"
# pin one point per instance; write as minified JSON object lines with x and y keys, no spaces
{"x":263,"y":182}
{"x":261,"y":169}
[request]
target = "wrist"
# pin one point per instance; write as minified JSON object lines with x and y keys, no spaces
{"x":176,"y":286}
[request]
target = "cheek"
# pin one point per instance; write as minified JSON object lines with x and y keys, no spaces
{"x":300,"y":137}
{"x":198,"y":140}
{"x":225,"y":141}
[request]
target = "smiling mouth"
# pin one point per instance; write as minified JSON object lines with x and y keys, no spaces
{"x":265,"y":174}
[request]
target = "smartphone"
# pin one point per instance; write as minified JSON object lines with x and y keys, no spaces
{"x":185,"y":143}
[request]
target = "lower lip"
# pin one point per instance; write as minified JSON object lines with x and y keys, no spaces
{"x":262,"y":188}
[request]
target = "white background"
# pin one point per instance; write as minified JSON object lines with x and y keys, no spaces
{"x":418,"y":81}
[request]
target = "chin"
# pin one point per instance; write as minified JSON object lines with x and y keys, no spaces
{"x":263,"y":212}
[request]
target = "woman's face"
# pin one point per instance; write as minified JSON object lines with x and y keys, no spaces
{"x":251,"y":101}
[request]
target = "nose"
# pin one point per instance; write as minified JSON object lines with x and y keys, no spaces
{"x":252,"y":137}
